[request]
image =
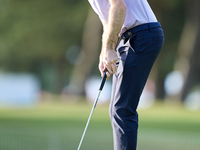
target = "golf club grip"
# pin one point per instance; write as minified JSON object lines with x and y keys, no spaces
{"x":103,"y":80}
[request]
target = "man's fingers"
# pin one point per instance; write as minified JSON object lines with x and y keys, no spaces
{"x":114,"y":67}
{"x":108,"y":75}
{"x":109,"y":69}
{"x":113,"y":61}
{"x":110,"y":58}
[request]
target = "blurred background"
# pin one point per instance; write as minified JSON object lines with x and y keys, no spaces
{"x":49,"y":78}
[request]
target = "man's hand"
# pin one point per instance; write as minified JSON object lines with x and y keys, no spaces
{"x":108,"y":61}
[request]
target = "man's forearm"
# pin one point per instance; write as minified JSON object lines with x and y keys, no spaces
{"x":112,"y":28}
{"x":115,"y":22}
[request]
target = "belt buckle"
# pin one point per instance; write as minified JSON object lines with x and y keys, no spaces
{"x":129,"y":34}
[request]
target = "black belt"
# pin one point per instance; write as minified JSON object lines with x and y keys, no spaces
{"x":126,"y":35}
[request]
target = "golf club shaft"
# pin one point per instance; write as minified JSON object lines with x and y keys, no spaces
{"x":94,"y":105}
{"x":89,"y":120}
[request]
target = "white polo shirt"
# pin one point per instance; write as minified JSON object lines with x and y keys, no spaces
{"x":137,"y":12}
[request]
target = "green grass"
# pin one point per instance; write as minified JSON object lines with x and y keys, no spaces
{"x":59,"y":126}
{"x":171,"y":117}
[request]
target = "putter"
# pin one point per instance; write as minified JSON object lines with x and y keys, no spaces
{"x":94,"y":105}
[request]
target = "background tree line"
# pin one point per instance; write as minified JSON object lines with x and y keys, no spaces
{"x":38,"y":37}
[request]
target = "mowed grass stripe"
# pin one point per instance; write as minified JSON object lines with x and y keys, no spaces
{"x":159,"y":116}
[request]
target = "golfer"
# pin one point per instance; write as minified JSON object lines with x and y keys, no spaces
{"x":131,"y":41}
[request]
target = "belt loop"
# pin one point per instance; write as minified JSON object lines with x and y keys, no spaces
{"x":149,"y":27}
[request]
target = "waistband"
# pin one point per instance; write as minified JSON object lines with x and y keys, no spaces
{"x":138,"y":28}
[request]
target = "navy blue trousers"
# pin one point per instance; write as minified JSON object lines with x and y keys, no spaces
{"x":137,"y":54}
